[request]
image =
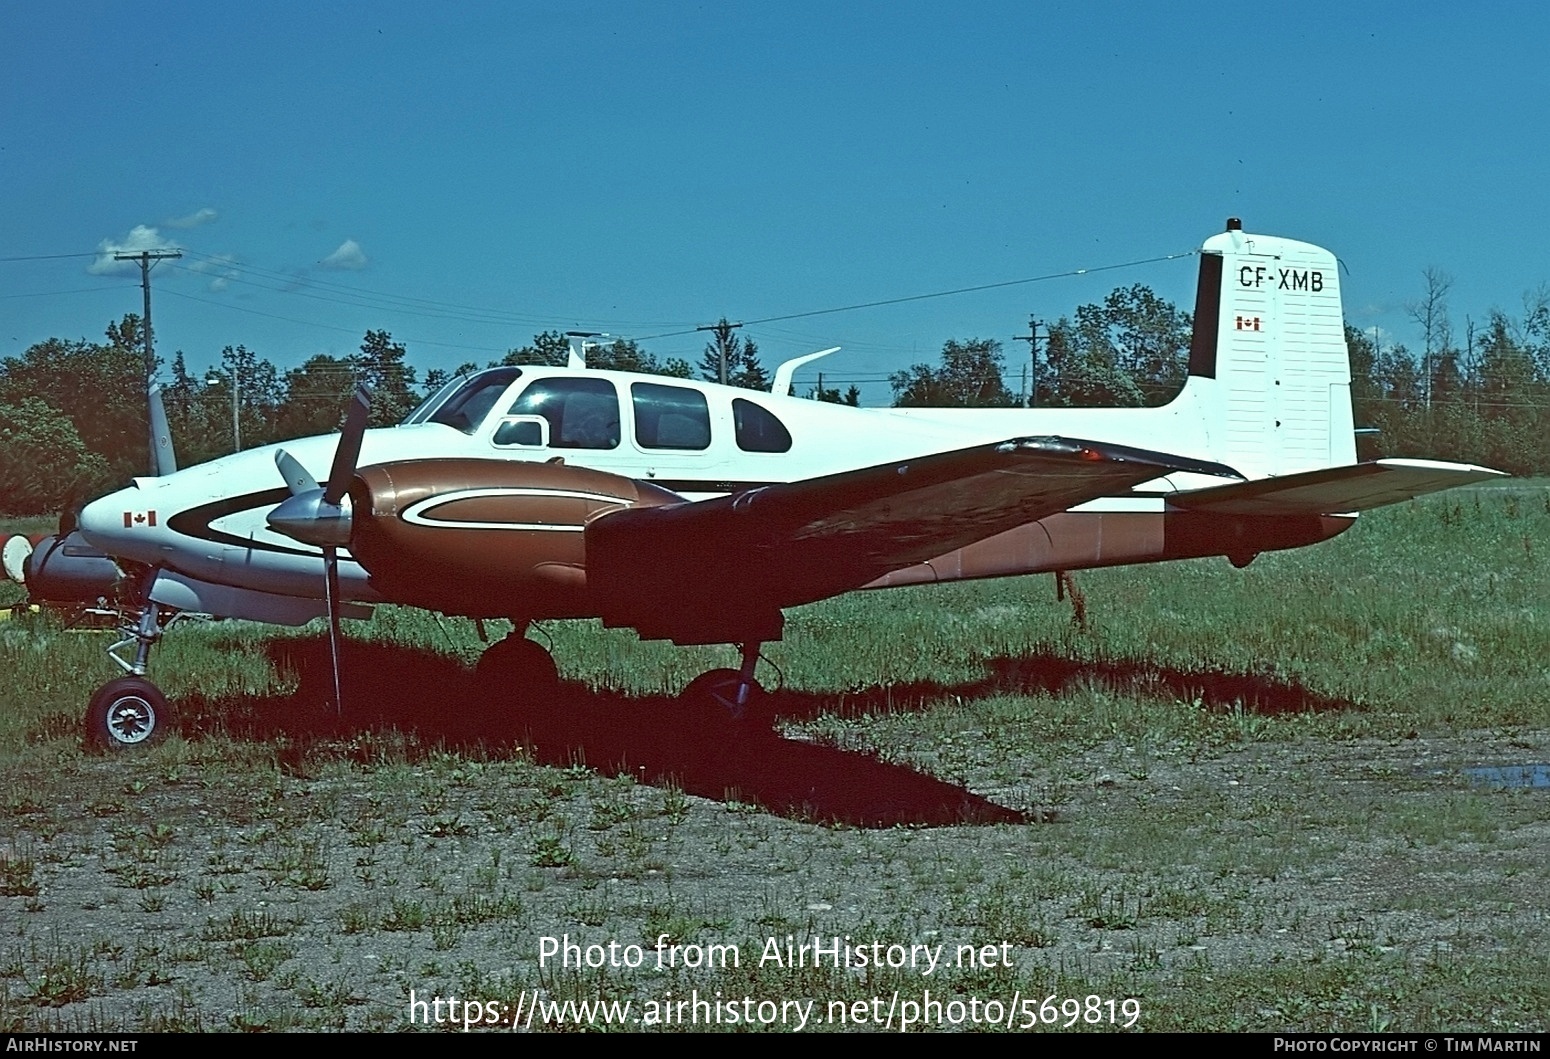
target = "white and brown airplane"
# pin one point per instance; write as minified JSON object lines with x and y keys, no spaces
{"x":698,"y":513}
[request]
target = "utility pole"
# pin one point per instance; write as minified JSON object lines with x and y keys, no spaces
{"x":723,"y":340}
{"x":1032,"y":338}
{"x":236,"y":414}
{"x":216,"y":376}
{"x":145,"y":257}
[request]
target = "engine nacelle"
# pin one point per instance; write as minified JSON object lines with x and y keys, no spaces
{"x":486,"y":538}
{"x":65,"y":569}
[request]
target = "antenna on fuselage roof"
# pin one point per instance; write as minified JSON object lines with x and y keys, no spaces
{"x":579,"y":346}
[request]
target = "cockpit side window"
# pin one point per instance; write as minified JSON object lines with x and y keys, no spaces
{"x":757,"y":428}
{"x":470,"y":403}
{"x":670,"y":417}
{"x":582,"y":413}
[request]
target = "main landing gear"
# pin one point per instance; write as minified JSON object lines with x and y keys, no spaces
{"x":131,"y":712}
{"x":729,"y":696}
{"x":515,"y":671}
{"x":517,"y":668}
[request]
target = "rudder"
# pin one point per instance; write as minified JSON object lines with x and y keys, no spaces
{"x":1274,"y":371}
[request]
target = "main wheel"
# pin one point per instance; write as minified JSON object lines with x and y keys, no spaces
{"x":517,"y":668}
{"x":126,"y":714}
{"x":712,"y":696}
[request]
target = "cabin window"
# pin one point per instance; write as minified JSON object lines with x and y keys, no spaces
{"x":670,"y":417}
{"x":757,"y":428}
{"x":582,"y":413}
{"x":472,"y":401}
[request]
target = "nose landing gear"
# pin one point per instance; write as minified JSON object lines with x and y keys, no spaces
{"x":131,"y":712}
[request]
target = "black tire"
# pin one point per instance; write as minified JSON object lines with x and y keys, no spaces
{"x":129,"y":713}
{"x":517,"y":669}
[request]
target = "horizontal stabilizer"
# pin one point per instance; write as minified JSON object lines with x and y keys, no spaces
{"x":1334,"y":490}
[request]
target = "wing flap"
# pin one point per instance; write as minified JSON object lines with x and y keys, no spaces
{"x":1334,"y":490}
{"x":699,"y":572}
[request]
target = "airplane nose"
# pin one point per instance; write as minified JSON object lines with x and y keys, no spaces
{"x":103,"y":521}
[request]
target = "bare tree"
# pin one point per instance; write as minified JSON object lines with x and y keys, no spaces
{"x":1430,"y":313}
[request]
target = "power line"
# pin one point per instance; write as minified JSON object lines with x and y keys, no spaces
{"x":52,"y":293}
{"x":947,"y":293}
{"x":329,"y":327}
{"x":391,"y":300}
{"x":51,"y":257}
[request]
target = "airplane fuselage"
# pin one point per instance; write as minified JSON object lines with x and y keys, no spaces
{"x":695,"y":439}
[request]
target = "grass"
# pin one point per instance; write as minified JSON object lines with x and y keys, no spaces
{"x":1235,"y":796}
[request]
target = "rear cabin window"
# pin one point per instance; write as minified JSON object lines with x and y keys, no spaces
{"x":582,"y":413}
{"x":757,"y":428}
{"x":670,"y":417}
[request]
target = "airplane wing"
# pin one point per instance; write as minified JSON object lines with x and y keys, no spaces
{"x":699,"y":572}
{"x":1334,"y":490}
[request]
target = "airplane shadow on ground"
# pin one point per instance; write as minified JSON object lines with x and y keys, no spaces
{"x":659,"y":739}
{"x":1213,"y":689}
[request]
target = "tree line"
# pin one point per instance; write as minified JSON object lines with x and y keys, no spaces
{"x":73,"y":413}
{"x":1484,"y":401}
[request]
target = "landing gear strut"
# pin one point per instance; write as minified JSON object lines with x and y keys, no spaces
{"x":732,"y":695}
{"x":130,"y":712}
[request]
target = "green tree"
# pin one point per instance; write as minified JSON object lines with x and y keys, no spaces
{"x":831,"y":395}
{"x":99,"y":387}
{"x":47,"y":466}
{"x":969,"y":377}
{"x":1129,"y":350}
{"x":380,"y":366}
{"x":316,"y":395}
{"x":548,"y":347}
{"x":625,"y":354}
{"x":738,"y":356}
{"x":259,"y":393}
{"x":1511,"y":399}
{"x":436,"y":378}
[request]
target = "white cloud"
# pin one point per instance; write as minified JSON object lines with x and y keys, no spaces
{"x":140,"y":237}
{"x":220,"y":268}
{"x":349,"y":257}
{"x":193,"y":220}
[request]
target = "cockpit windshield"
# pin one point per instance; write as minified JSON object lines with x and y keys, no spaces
{"x":431,"y":403}
{"x":466,"y":405}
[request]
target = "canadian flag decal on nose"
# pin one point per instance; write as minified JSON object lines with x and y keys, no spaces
{"x":139,"y":518}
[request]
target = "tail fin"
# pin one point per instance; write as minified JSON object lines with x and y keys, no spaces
{"x":1271,"y":375}
{"x":1269,"y":355}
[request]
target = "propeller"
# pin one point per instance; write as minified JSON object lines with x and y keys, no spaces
{"x":163,"y":460}
{"x":320,"y":515}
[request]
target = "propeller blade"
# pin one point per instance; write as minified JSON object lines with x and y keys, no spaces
{"x":349,"y":449}
{"x":297,"y":479}
{"x":163,"y":460}
{"x":331,"y":598}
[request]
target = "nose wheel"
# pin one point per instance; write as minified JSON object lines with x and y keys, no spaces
{"x":127,"y":714}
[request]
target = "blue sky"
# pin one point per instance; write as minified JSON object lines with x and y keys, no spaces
{"x":490,"y":171}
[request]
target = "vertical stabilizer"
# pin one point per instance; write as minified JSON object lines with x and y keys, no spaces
{"x":1269,"y":355}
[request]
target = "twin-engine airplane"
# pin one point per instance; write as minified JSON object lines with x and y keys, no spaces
{"x":698,"y":513}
